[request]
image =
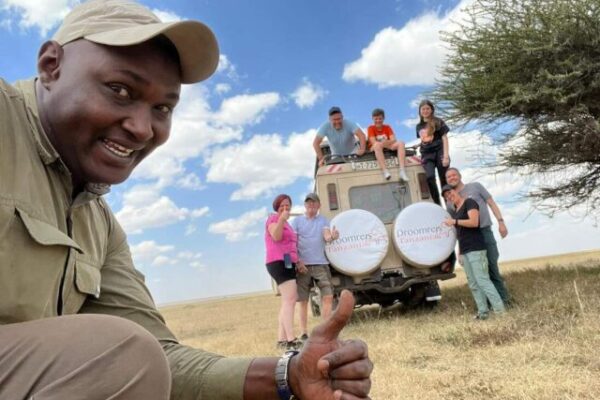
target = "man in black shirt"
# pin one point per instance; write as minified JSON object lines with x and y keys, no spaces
{"x":473,"y":256}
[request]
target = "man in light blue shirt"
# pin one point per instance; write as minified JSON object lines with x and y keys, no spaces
{"x":313,"y":232}
{"x":341,"y":135}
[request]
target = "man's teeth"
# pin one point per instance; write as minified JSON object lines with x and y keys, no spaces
{"x":117,"y":149}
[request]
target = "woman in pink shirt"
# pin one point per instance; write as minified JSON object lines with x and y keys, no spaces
{"x":280,"y":241}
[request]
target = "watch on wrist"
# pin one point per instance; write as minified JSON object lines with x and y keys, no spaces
{"x":282,"y":378}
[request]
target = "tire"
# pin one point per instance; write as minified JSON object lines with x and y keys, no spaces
{"x":416,"y":295}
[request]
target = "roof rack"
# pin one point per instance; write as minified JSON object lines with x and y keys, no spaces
{"x":349,"y":158}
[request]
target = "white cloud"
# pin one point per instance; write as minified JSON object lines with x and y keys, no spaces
{"x":471,"y":149}
{"x":307,"y":94}
{"x":162,"y":167}
{"x":162,"y":260}
{"x":227,"y":68}
{"x":246,"y":109}
{"x":414,"y":103}
{"x":263,"y":164}
{"x":222,"y":88}
{"x":407,"y":56}
{"x":159,"y":213}
{"x":191,"y":181}
{"x":43,"y":15}
{"x":191,"y":259}
{"x":144,"y":207}
{"x":149,"y":253}
{"x":200,"y":212}
{"x":196,"y":127}
{"x":166,"y":16}
{"x":242,"y":227}
{"x":411,"y":122}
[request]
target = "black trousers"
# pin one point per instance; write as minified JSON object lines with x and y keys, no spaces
{"x":432,"y":161}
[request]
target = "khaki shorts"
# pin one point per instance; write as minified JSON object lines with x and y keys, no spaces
{"x":322,"y":277}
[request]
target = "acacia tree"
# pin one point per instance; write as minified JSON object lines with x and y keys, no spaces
{"x":535,"y":63}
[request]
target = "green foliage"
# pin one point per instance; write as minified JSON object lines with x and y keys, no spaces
{"x":535,"y":63}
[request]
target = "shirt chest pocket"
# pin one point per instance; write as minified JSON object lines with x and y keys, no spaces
{"x":58,"y":258}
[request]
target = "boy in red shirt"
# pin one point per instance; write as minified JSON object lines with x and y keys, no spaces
{"x":381,"y":137}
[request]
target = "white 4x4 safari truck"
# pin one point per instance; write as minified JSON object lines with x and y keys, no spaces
{"x":393,"y":246}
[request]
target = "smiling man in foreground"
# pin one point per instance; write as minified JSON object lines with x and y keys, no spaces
{"x":76,"y":319}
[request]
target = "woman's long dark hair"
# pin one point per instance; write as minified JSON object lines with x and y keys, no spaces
{"x":437,"y":122}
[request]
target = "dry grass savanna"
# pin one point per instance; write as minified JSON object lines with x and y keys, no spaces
{"x":546,"y":347}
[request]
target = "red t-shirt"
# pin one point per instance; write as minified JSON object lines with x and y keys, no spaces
{"x":385,"y":133}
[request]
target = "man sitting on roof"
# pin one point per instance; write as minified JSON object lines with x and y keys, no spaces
{"x":341,"y":135}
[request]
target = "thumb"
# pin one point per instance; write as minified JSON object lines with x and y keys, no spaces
{"x":331,"y":328}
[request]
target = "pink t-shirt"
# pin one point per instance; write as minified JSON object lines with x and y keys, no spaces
{"x":287,"y":243}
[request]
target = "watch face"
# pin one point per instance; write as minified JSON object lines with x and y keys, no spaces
{"x":290,"y":353}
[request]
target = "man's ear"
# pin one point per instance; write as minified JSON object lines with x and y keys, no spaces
{"x":50,"y":58}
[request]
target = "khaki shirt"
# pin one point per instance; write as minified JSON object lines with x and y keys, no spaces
{"x":61,"y":256}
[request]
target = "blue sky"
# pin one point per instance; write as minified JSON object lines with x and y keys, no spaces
{"x":195,"y":209}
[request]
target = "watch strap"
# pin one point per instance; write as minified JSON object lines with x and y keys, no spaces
{"x":281,"y":376}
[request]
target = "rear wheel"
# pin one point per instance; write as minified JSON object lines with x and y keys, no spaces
{"x":416,"y":295}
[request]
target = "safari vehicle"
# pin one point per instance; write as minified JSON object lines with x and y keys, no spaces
{"x":355,"y":183}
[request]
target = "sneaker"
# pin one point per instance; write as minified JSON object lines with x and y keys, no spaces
{"x":433,"y":293}
{"x":281,"y":345}
{"x":304,"y":337}
{"x":293,"y":345}
{"x":481,"y":316}
{"x":386,"y":175}
{"x":403,"y":176}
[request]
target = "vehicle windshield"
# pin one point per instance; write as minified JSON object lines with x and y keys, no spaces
{"x":384,"y":200}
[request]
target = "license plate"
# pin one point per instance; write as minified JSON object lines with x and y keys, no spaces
{"x":366,"y":165}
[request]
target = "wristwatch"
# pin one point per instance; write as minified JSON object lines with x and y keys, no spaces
{"x":281,"y":376}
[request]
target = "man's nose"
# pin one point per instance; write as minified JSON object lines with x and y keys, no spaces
{"x":139,"y":124}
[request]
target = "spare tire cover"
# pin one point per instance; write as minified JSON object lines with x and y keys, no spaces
{"x":362,"y":245}
{"x":420,"y":235}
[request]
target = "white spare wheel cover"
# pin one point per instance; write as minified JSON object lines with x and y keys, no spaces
{"x":362,"y":245}
{"x":420,"y":235}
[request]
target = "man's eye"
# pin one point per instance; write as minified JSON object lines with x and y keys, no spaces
{"x":164,"y":109}
{"x":121,"y":91}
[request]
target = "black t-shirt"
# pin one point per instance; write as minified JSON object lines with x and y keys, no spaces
{"x":440,"y":130}
{"x":469,"y":239}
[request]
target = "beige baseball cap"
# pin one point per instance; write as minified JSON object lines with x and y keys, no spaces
{"x":125,"y":23}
